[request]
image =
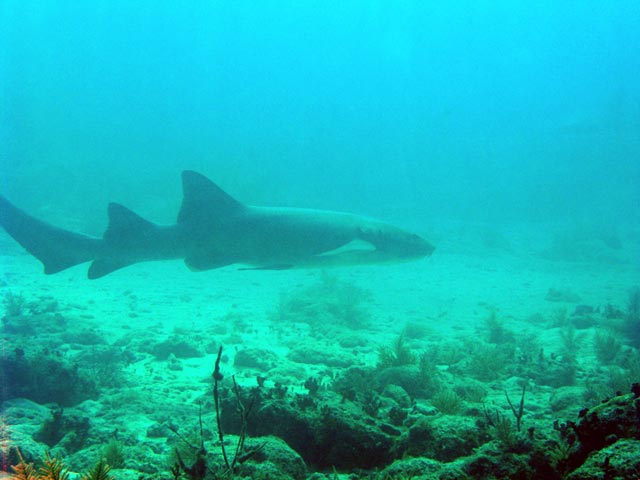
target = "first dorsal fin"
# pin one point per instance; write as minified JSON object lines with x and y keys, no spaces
{"x":202,"y":197}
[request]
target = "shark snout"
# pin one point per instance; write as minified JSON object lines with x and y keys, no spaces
{"x":395,"y":243}
{"x":417,"y":247}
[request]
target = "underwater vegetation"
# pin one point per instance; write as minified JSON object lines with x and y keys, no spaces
{"x":43,"y":370}
{"x":14,"y":304}
{"x":396,"y":355}
{"x":55,"y":469}
{"x":521,"y":451}
{"x":607,"y":346}
{"x":447,"y":402}
{"x":474,"y":406}
{"x":40,"y":366}
{"x":45,"y":376}
{"x":632,"y":318}
{"x":200,"y":467}
{"x":415,"y":372}
{"x":114,"y":453}
{"x":327,"y":302}
{"x":238,"y":433}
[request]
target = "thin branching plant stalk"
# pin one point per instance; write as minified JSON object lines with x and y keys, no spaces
{"x":520,"y":412}
{"x":217,"y":377}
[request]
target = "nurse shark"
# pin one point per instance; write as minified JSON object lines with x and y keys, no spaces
{"x":214,"y":230}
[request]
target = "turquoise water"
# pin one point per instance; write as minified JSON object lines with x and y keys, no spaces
{"x":497,"y":111}
{"x":506,"y":133}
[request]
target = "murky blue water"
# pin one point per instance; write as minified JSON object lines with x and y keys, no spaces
{"x":484,"y":111}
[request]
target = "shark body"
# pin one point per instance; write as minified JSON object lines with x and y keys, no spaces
{"x":214,"y":230}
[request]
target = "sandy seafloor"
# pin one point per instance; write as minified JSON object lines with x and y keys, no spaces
{"x":474,"y":269}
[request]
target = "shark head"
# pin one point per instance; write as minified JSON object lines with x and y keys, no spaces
{"x":392,"y":243}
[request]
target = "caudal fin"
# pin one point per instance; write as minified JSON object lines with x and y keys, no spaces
{"x":56,"y":248}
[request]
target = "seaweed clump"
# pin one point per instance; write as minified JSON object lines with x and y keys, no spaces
{"x":14,"y":304}
{"x":45,"y":377}
{"x":632,"y":318}
{"x":396,"y":354}
{"x":399,"y":365}
{"x":54,"y":468}
{"x":328,"y":302}
{"x":607,"y":347}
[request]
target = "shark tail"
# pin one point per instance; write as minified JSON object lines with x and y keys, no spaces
{"x":56,"y":248}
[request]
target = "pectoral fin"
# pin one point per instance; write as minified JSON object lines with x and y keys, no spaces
{"x":103,"y":266}
{"x":269,"y":267}
{"x":198,"y":262}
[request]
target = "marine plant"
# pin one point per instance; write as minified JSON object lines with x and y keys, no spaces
{"x":487,"y":362}
{"x":631,"y":363}
{"x":396,"y":354}
{"x":474,"y":392}
{"x":594,"y":390}
{"x":24,"y":470}
{"x":99,"y":472}
{"x":619,"y":380}
{"x":113,"y":453}
{"x":14,"y":304}
{"x":528,"y":349}
{"x":571,"y":340}
{"x":199,"y":469}
{"x":44,"y":304}
{"x":54,"y":468}
{"x":105,"y":362}
{"x":429,"y":373}
{"x":519,"y":412}
{"x":355,"y":382}
{"x":559,"y":317}
{"x":327,"y":302}
{"x":445,"y":353}
{"x":632,"y":317}
{"x":559,"y":455}
{"x":605,"y":383}
{"x":556,"y":370}
{"x":447,"y":402}
{"x":497,"y":332}
{"x":504,"y":432}
{"x":509,"y":437}
{"x":607,"y":346}
{"x":45,"y":377}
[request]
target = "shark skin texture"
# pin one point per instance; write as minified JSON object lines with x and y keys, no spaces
{"x":214,"y":230}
